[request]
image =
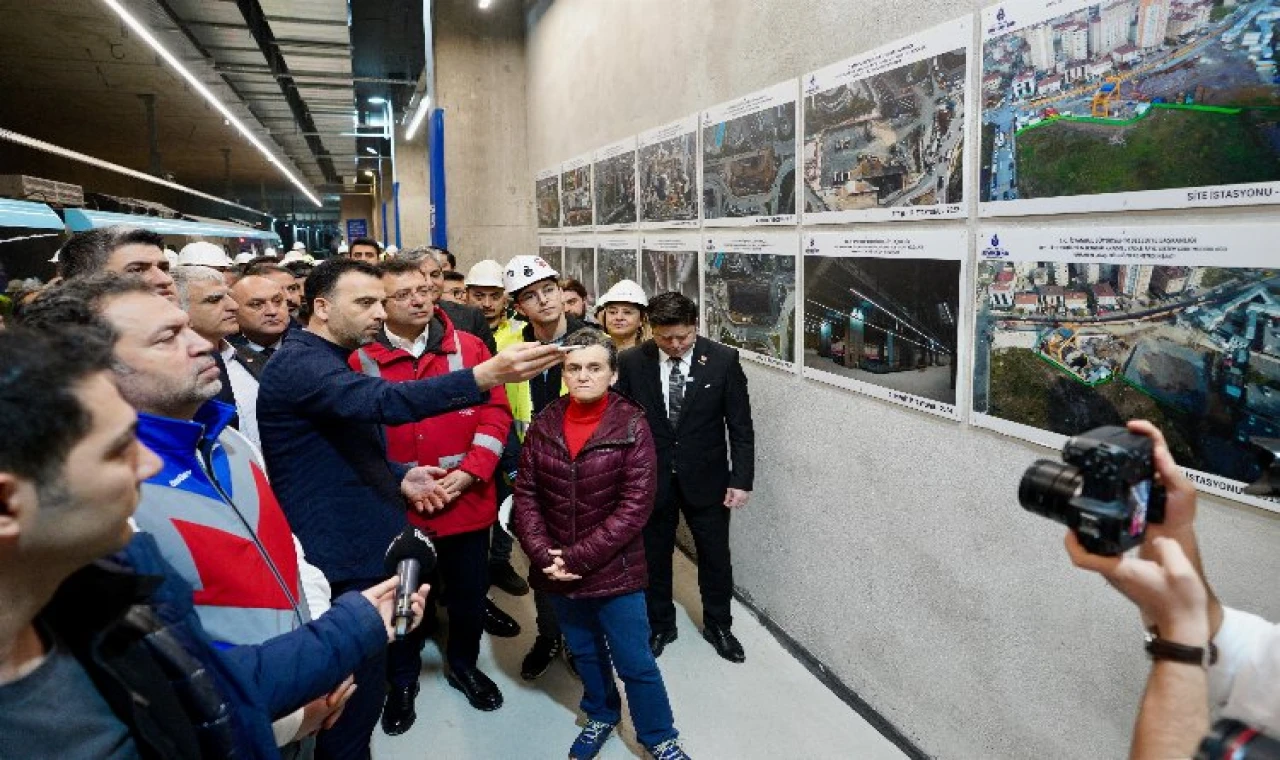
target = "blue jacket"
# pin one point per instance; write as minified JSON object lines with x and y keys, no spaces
{"x":129,"y":620}
{"x":321,"y":428}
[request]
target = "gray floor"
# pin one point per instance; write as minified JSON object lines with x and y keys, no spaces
{"x":768,"y":707}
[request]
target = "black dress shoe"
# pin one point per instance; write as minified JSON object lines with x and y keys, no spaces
{"x":725,"y":642}
{"x":658,"y":640}
{"x":398,"y":714}
{"x":504,"y":576}
{"x":498,"y":623}
{"x":482,"y":693}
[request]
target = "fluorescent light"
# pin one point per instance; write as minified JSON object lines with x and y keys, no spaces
{"x":377,"y":101}
{"x":484,"y":4}
{"x":200,"y":87}
{"x":368,"y":173}
{"x":370,"y":151}
{"x":418,"y":117}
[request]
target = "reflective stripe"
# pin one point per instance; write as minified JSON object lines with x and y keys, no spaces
{"x":452,"y":462}
{"x":367,"y":365}
{"x":455,"y":358}
{"x":488,"y":442}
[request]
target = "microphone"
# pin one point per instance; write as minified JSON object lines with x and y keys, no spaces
{"x":410,"y":556}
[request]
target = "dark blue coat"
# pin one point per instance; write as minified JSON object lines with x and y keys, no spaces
{"x":321,"y":428}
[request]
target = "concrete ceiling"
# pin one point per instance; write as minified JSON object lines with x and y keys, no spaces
{"x":72,"y":73}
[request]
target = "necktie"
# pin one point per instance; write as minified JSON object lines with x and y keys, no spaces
{"x":675,"y":393}
{"x":266,"y":353}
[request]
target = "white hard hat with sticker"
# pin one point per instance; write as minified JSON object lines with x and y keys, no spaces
{"x":523,"y":271}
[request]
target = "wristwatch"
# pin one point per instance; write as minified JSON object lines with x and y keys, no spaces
{"x":1163,"y":649}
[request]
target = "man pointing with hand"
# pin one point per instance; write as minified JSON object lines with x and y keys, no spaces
{"x":321,"y":428}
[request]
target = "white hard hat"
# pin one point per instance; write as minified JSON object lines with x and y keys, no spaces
{"x":246,"y":257}
{"x":295,"y":256}
{"x":203,"y":254}
{"x":342,"y":248}
{"x":392,"y":250}
{"x":299,"y":246}
{"x":485,"y":274}
{"x":272,"y":252}
{"x":526,"y":270}
{"x":624,"y":291}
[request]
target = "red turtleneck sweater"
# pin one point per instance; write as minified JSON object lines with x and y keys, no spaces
{"x":580,"y":421}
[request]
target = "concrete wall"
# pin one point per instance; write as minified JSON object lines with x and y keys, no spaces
{"x":480,"y":84}
{"x":888,"y":543}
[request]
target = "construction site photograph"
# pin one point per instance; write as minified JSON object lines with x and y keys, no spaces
{"x":1132,"y":96}
{"x":668,"y":169}
{"x":748,"y":160}
{"x":547,"y":201}
{"x":580,"y":265}
{"x":616,"y":262}
{"x":884,"y":131}
{"x":615,"y":186}
{"x":1066,"y":347}
{"x":751,"y":301}
{"x":886,"y":322}
{"x":575,"y":195}
{"x":670,"y":270}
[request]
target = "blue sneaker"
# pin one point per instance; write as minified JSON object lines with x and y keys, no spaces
{"x":668,"y":750}
{"x":592,"y":738}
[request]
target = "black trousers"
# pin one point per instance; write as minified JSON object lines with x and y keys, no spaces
{"x":462,"y":569}
{"x":709,"y":524}
{"x":349,"y":738}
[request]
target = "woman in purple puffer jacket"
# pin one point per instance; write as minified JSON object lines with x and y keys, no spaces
{"x":584,"y":492}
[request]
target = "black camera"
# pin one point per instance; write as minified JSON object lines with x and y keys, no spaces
{"x":1233,"y":740}
{"x":1104,"y":489}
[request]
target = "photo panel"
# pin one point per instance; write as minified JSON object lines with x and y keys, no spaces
{"x":1079,"y":327}
{"x":1124,"y":105}
{"x":547,"y":198}
{"x":670,"y":263}
{"x":576,"y":200}
{"x":882,"y":314}
{"x":580,"y":265}
{"x":749,"y":299}
{"x":749,"y":159}
{"x":551,"y":249}
{"x":617,"y":258}
{"x":668,"y":173}
{"x":614,"y":180}
{"x":884,"y":132}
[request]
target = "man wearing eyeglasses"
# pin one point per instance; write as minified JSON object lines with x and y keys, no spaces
{"x":535,"y":290}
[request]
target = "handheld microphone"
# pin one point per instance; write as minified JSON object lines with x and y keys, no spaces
{"x":410,"y":556}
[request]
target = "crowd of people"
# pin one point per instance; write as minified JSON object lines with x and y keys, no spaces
{"x":212,"y":456}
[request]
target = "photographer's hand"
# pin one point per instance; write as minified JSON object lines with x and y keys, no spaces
{"x":1180,"y":514}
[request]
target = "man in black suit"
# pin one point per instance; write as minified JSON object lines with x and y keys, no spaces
{"x":695,"y":396}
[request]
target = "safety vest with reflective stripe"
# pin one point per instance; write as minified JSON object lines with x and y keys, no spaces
{"x":468,"y":439}
{"x":217,"y":522}
{"x":510,"y":332}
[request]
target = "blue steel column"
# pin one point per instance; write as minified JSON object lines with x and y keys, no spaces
{"x":395,"y":201}
{"x":435,"y":155}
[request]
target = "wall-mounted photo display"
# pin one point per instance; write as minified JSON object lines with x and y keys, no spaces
{"x":551,"y":249}
{"x":617,"y":258}
{"x":580,"y":265}
{"x":1136,"y":104}
{"x":749,"y":159}
{"x":546,"y":196}
{"x":884,"y":132}
{"x":668,"y":174}
{"x":1079,"y":327}
{"x":576,"y":199}
{"x":614,"y":179}
{"x":669,"y":263}
{"x":882,"y":314}
{"x":749,"y":298}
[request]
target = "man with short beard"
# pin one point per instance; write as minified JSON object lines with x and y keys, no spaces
{"x":321,"y":425}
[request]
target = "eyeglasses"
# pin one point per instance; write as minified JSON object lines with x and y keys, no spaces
{"x":404,"y":296}
{"x":544,"y":293}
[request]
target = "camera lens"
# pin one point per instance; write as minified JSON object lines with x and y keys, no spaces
{"x":1047,"y":489}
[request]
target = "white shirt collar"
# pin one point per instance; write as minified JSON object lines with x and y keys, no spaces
{"x":416,"y":348}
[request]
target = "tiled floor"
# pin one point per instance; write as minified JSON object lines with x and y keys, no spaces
{"x":768,"y":707}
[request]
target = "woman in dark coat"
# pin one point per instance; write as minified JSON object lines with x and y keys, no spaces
{"x":584,"y":492}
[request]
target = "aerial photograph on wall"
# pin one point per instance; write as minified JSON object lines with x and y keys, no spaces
{"x":668,"y":169}
{"x":1130,"y":96}
{"x":887,"y":130}
{"x":1070,"y":343}
{"x":670,"y":263}
{"x":617,"y":259}
{"x":749,"y":159}
{"x":580,"y":264}
{"x":615,"y":185}
{"x":551,"y":249}
{"x":547,"y":198}
{"x":751,"y":295}
{"x":575,"y":193}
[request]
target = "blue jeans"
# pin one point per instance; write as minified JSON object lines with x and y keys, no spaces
{"x":613,"y":632}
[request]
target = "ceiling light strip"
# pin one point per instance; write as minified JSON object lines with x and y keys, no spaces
{"x":57,"y":150}
{"x":201,"y":88}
